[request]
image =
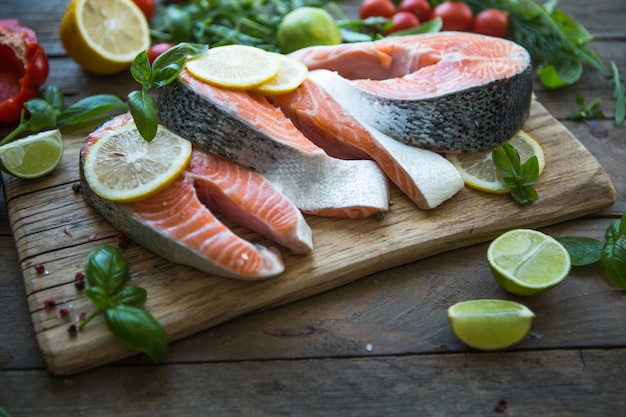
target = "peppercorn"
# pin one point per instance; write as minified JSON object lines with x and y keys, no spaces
{"x":49,"y":303}
{"x":64,"y":311}
{"x":39,"y":268}
{"x":76,"y":187}
{"x":72,"y":330}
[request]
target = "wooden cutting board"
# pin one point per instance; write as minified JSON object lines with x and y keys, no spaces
{"x":53,"y":226}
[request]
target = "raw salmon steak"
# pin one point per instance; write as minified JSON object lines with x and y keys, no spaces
{"x":244,"y":127}
{"x":426,"y":177}
{"x":179,"y":224}
{"x":445,"y":91}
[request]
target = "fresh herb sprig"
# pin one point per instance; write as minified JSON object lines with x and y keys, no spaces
{"x":588,"y":110}
{"x":618,"y":94}
{"x":162,"y":72}
{"x":106,"y":272}
{"x":611,"y":253}
{"x":520,"y":178}
{"x":48,"y":111}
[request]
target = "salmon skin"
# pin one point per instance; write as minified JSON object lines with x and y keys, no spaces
{"x":244,"y":127}
{"x":426,"y":177}
{"x":445,"y":91}
{"x":178,"y":224}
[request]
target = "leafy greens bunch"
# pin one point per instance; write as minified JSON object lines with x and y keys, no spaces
{"x":163,"y":71}
{"x":106,"y":272}
{"x":611,"y":253}
{"x":48,"y":111}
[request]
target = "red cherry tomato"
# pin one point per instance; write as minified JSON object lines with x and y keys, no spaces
{"x":403,"y":21}
{"x":492,"y":22}
{"x":148,"y":7}
{"x":157,"y":49}
{"x":421,"y":8}
{"x":376,"y":8}
{"x":455,"y":15}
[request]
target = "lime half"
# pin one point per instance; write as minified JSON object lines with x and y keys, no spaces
{"x":528,"y":262}
{"x":490,"y":324}
{"x":32,"y":156}
{"x":307,"y":26}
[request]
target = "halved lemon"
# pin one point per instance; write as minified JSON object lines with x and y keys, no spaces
{"x":291,"y":75}
{"x":104,"y":36}
{"x":32,"y":156}
{"x":490,"y":324}
{"x":234,"y":66}
{"x":477,"y":168}
{"x":122,"y":166}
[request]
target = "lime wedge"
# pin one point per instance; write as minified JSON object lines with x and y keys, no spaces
{"x":32,"y":156}
{"x":528,"y":262}
{"x":490,"y":324}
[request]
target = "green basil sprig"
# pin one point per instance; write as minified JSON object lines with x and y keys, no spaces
{"x":106,"y":272}
{"x":588,"y":110}
{"x":520,"y":178}
{"x":163,"y":71}
{"x":48,"y":111}
{"x":611,"y":253}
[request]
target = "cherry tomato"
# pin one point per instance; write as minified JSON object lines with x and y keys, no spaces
{"x":403,"y":21}
{"x":492,"y":22}
{"x":376,"y":8}
{"x":421,"y":8}
{"x":157,"y":49}
{"x":455,"y":15}
{"x":148,"y":7}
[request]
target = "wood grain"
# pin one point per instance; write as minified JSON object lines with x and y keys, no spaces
{"x":53,"y":226}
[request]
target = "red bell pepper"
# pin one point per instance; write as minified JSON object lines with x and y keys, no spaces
{"x":23,"y":68}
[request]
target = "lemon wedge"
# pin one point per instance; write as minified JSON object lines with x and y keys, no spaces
{"x":234,"y":66}
{"x":122,"y":166}
{"x":291,"y":75}
{"x":104,"y":36}
{"x":477,"y":168}
{"x":32,"y":156}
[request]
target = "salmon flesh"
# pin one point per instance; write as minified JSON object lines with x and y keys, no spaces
{"x":445,"y":91}
{"x":179,"y":224}
{"x":244,"y":127}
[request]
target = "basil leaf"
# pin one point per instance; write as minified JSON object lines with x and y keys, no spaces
{"x":582,"y":250}
{"x":144,"y":109}
{"x":106,"y":268}
{"x":91,"y":107}
{"x":140,"y":68}
{"x":524,"y":195}
{"x":138,"y":329}
{"x":42,"y":114}
{"x":130,"y":296}
{"x":54,"y":96}
{"x":613,"y":260}
{"x":529,"y":172}
{"x":506,"y":160}
{"x":98,"y":296}
{"x":178,"y":53}
{"x":167,"y":74}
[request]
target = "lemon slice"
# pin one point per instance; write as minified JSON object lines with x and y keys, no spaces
{"x":528,"y":262}
{"x":104,"y":36}
{"x":32,"y":156}
{"x":291,"y":75}
{"x":234,"y":66}
{"x":122,"y":166}
{"x":490,"y":324}
{"x":477,"y":168}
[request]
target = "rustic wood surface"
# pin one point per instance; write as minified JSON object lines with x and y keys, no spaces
{"x":378,"y":345}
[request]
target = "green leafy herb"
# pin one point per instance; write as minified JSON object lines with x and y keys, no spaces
{"x":106,"y":272}
{"x":587,"y":111}
{"x":611,"y":253}
{"x":519,"y":178}
{"x":223,"y":22}
{"x":48,"y":111}
{"x":163,"y":71}
{"x":618,"y":95}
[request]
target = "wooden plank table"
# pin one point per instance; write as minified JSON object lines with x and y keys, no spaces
{"x":378,"y":345}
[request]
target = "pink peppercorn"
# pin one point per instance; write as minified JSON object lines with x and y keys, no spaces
{"x":49,"y":303}
{"x":64,"y":311}
{"x":39,"y":268}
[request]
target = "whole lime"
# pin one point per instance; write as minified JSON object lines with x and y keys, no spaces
{"x":307,"y":26}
